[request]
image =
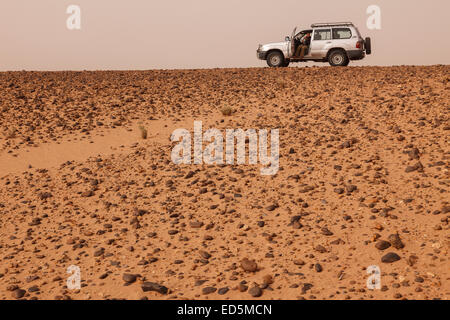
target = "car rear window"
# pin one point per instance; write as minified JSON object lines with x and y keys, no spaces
{"x":322,"y":34}
{"x":342,"y":33}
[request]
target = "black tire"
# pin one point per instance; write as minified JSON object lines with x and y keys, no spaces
{"x":286,"y":63}
{"x":368,"y":45}
{"x":338,"y":58}
{"x":275,"y":59}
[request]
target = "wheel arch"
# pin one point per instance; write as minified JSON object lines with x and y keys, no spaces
{"x":275,"y":50}
{"x":336,"y":49}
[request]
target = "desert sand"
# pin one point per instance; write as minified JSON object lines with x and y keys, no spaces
{"x":363,"y":180}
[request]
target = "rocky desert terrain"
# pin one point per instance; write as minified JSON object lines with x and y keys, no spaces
{"x":86,"y":179}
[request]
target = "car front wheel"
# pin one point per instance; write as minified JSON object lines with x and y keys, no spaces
{"x":275,"y":59}
{"x":338,"y":58}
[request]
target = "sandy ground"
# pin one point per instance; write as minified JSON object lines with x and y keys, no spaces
{"x":363,"y":180}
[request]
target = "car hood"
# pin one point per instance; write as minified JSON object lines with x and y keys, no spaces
{"x":274,"y":45}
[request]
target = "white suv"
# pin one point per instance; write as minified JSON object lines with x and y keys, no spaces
{"x":337,"y":43}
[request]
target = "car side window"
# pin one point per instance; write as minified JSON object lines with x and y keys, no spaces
{"x":322,"y":34}
{"x":342,"y":33}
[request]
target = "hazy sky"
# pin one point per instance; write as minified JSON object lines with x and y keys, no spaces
{"x":156,"y":34}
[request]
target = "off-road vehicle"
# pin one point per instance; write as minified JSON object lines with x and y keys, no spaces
{"x":337,"y":43}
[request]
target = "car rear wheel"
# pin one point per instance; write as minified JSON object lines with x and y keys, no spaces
{"x":338,"y":58}
{"x":275,"y":59}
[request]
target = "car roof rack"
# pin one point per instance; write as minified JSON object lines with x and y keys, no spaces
{"x":316,"y":25}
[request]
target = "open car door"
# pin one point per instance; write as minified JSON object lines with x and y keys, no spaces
{"x":291,"y":47}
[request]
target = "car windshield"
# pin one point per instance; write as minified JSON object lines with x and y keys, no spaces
{"x":302,"y":33}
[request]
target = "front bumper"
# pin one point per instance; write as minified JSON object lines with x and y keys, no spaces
{"x":261,"y":55}
{"x":356,"y":54}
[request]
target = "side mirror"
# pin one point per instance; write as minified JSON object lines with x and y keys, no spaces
{"x":287,"y":38}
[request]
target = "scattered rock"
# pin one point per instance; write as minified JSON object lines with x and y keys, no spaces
{"x":152,"y":286}
{"x":249,"y":265}
{"x":129,"y":278}
{"x":255,"y":292}
{"x":242,"y":287}
{"x":382,"y":245}
{"x":99,"y":252}
{"x":87,"y":194}
{"x":390,"y":257}
{"x":208,"y":290}
{"x":320,"y":249}
{"x":223,"y":291}
{"x":204,"y":254}
{"x":306,"y":287}
{"x":299,"y":262}
{"x":318,"y":267}
{"x":18,"y":293}
{"x":196,"y":224}
{"x":395,"y":241}
{"x":267,"y":279}
{"x":326,"y":232}
{"x":416,"y":167}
